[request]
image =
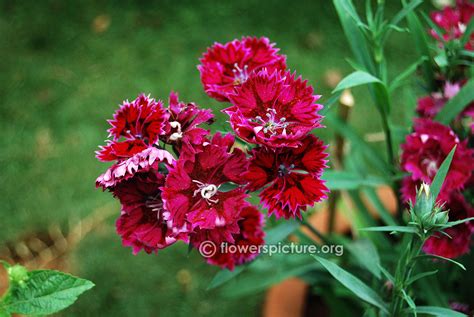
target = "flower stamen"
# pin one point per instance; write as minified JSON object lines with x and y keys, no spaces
{"x":207,"y":191}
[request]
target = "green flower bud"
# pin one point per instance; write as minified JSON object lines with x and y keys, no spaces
{"x":18,"y":274}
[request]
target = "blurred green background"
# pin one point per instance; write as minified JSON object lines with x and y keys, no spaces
{"x":64,"y":68}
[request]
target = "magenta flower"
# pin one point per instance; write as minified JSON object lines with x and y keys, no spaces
{"x":454,"y":21}
{"x":247,"y":239}
{"x":226,"y":66}
{"x":460,"y":240}
{"x":142,"y":162}
{"x":292,"y":177}
{"x":193,"y":193}
{"x":182,"y":129}
{"x":276,"y":110}
{"x":142,"y":223}
{"x":430,"y":106}
{"x":139,"y":123}
{"x":424,"y":151}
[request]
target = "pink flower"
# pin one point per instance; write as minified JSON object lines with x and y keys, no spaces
{"x":142,"y":162}
{"x":182,"y":129}
{"x":142,"y":223}
{"x":424,"y":151}
{"x":454,"y":21}
{"x":139,"y":123}
{"x":226,"y":66}
{"x":430,"y":106}
{"x":292,"y":177}
{"x":246,"y":240}
{"x":276,"y":110}
{"x":193,"y":193}
{"x":460,"y":240}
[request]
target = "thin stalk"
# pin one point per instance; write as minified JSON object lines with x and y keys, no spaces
{"x":314,"y":231}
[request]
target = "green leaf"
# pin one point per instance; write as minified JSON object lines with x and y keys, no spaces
{"x":467,"y":34}
{"x":330,"y":102}
{"x":280,"y":232}
{"x":3,"y":312}
{"x":366,"y":254}
{"x":440,"y":258}
{"x":406,"y":73}
{"x":438,"y":311}
{"x":359,"y":288}
{"x":405,"y":11}
{"x":438,"y":181}
{"x":350,"y":23}
{"x":409,"y":301}
{"x":456,"y":105}
{"x":46,"y":292}
{"x":416,"y":277}
{"x":358,"y":142}
{"x":405,"y":229}
{"x":357,"y":78}
{"x":348,"y":180}
{"x":387,"y":274}
{"x":455,"y":223}
{"x":377,"y":203}
{"x":420,"y":41}
{"x":225,"y":275}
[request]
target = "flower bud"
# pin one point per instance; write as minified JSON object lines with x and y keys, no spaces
{"x":18,"y":274}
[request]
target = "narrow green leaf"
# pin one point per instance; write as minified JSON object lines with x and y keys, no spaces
{"x":387,"y":274}
{"x":366,"y":254}
{"x":439,"y":311}
{"x":405,"y":229}
{"x":420,"y":41}
{"x":439,"y":32}
{"x":225,"y":275}
{"x":440,"y":258}
{"x":358,"y":43}
{"x":405,"y":11}
{"x":330,"y":102}
{"x":358,"y":142}
{"x":46,"y":292}
{"x":438,"y":181}
{"x":467,"y":34}
{"x":409,"y":301}
{"x":377,"y":203}
{"x":455,"y":223}
{"x":416,"y":277}
{"x":349,"y":180}
{"x":357,"y":78}
{"x":406,"y":73}
{"x":359,"y":288}
{"x":456,"y":105}
{"x":280,"y":232}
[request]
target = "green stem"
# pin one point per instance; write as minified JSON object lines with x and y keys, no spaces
{"x":314,"y":231}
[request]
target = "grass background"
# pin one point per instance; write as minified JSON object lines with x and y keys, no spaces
{"x":64,"y":68}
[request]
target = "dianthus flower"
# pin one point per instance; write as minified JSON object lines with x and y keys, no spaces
{"x":226,"y":66}
{"x":274,"y":109}
{"x":138,"y":124}
{"x":424,"y":151}
{"x":292,"y":177}
{"x":459,"y":240}
{"x":194,"y":193}
{"x":137,"y":183}
{"x":243,"y":247}
{"x":454,"y":21}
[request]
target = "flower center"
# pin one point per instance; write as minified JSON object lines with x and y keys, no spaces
{"x":431,"y":167}
{"x":207,"y":191}
{"x":270,"y":124}
{"x":178,"y":134}
{"x":285,"y":170}
{"x":155,"y":204}
{"x":240,"y":74}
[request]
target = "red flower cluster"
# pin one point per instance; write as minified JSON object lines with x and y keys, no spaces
{"x":197,"y":192}
{"x":454,"y":21}
{"x":430,"y":142}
